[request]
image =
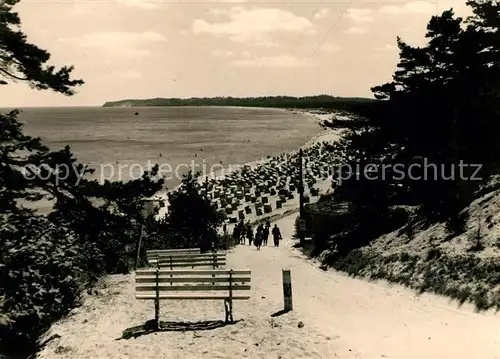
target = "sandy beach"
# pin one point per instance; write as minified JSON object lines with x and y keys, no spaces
{"x":323,"y":184}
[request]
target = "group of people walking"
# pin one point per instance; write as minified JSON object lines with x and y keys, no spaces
{"x":244,"y":231}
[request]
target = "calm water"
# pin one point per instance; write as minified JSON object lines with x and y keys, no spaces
{"x":108,"y":139}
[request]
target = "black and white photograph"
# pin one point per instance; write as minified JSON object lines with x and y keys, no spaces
{"x":251,"y":179}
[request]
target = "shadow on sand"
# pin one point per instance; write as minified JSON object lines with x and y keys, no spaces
{"x":280,"y":312}
{"x":149,"y":327}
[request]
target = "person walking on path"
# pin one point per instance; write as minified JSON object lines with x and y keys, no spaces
{"x":276,"y":235}
{"x":249,"y":233}
{"x":243,"y":233}
{"x":237,"y":232}
{"x":258,"y":237}
{"x":265,"y":234}
{"x":241,"y":237}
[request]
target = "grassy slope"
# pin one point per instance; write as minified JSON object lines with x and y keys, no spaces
{"x":431,"y":260}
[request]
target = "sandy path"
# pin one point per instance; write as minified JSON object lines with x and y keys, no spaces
{"x":343,"y":318}
{"x":375,"y":320}
{"x":91,"y":331}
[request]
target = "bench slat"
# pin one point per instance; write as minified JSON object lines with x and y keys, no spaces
{"x":183,"y":265}
{"x":148,"y":287}
{"x":186,"y":254}
{"x":186,"y":259}
{"x":180,"y":252}
{"x":193,"y":272}
{"x":210,"y":254}
{"x":154,"y":261}
{"x":192,"y":260}
{"x":167,"y":279}
{"x":176,"y":250}
{"x":201,"y":296}
{"x":194,"y":264}
{"x":188,"y":264}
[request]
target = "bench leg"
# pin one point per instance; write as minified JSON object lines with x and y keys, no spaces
{"x":157,"y":314}
{"x":228,"y":306}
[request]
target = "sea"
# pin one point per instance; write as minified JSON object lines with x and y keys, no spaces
{"x":120,"y":144}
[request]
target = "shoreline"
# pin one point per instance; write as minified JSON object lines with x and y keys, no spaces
{"x":324,"y":135}
{"x":316,"y":116}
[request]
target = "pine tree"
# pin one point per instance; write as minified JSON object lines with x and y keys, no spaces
{"x":192,"y":215}
{"x":442,"y":106}
{"x":46,"y":261}
{"x":22,"y":61}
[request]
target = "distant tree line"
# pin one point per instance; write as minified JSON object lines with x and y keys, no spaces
{"x":308,"y":102}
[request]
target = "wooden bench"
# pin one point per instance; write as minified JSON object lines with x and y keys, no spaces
{"x":151,"y":254}
{"x":186,"y":258}
{"x":192,"y":284}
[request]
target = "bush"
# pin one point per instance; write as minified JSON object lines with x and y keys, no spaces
{"x":457,"y":223}
{"x":46,"y":261}
{"x":354,"y":263}
{"x":226,"y":242}
{"x":433,"y":253}
{"x":41,"y":279}
{"x":404,"y":257}
{"x":191,"y":215}
{"x":398,"y":217}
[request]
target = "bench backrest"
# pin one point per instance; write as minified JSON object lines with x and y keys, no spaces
{"x":201,"y":284}
{"x":212,"y":259}
{"x":151,"y":254}
{"x":174,"y":251}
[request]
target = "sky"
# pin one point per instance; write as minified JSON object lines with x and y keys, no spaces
{"x":126,"y":49}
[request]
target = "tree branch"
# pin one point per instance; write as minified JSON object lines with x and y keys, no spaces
{"x":5,"y":72}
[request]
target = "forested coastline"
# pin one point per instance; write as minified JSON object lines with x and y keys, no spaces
{"x":325,"y":102}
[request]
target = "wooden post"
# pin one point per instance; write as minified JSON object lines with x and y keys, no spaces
{"x":157,"y":299}
{"x":301,"y":196}
{"x":214,"y":263}
{"x":139,"y":245}
{"x":301,"y":185}
{"x":171,"y":268}
{"x":287,"y":290}
{"x":146,"y":211}
{"x":228,"y":303}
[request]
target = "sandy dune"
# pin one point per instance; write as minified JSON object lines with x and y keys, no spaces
{"x":379,"y":320}
{"x":343,"y":318}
